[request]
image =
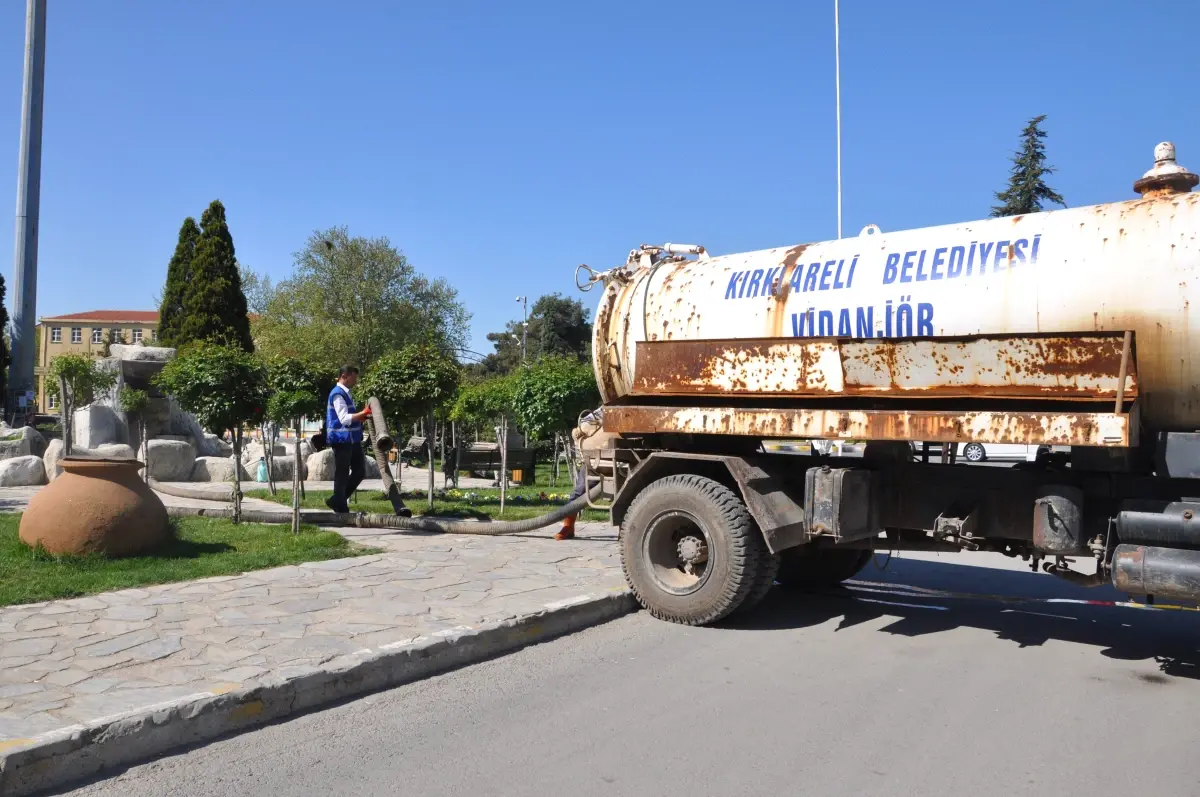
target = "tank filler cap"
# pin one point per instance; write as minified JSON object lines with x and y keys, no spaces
{"x":870,"y":229}
{"x":1167,"y":177}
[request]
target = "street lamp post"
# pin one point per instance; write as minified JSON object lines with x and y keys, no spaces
{"x":524,"y":300}
{"x":29,"y":178}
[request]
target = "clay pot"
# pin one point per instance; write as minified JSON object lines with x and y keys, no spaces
{"x":96,"y":506}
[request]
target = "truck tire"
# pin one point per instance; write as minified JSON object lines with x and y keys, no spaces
{"x":768,"y":569}
{"x":690,"y":550}
{"x":803,"y":568}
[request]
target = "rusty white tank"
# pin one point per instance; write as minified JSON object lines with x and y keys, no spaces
{"x":1123,"y":266}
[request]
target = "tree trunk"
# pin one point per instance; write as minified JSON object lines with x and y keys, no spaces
{"x":429,"y":441}
{"x":145,"y":446}
{"x":453,"y":444}
{"x":503,"y":461}
{"x":237,"y":474}
{"x":268,"y":441}
{"x":65,"y":405}
{"x":296,"y":481}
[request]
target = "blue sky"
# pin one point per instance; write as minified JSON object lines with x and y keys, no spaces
{"x":500,"y":144}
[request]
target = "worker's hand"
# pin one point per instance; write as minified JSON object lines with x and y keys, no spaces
{"x":366,"y":413}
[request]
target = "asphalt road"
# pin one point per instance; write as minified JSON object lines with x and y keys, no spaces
{"x":880,"y":690}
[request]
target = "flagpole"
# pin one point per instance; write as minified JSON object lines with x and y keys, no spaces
{"x":837,"y":78}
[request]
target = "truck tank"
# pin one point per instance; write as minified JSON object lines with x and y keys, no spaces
{"x":1108,"y":268}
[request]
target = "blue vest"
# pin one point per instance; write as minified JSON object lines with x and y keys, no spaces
{"x":335,"y":431}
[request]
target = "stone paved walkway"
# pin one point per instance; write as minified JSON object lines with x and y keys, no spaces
{"x":72,"y":661}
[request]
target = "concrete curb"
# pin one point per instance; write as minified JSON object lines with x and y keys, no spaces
{"x":70,"y":754}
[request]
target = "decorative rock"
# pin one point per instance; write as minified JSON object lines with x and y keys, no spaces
{"x":50,"y":460}
{"x":212,"y":469}
{"x":96,"y":506}
{"x":132,"y":353}
{"x":26,"y":471}
{"x":213,"y":443}
{"x":13,"y":443}
{"x":282,"y":467}
{"x":96,"y":425}
{"x":170,"y":460}
{"x":320,"y":466}
{"x":37,"y":443}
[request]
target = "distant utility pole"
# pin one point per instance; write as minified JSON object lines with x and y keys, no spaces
{"x":524,"y":300}
{"x":837,"y":82}
{"x":29,"y":179}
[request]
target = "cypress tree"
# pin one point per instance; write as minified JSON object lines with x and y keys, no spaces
{"x":214,"y":307}
{"x":5,"y":357}
{"x":1026,"y":187}
{"x":179,"y":272}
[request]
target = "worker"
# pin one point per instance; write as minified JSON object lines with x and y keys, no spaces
{"x":589,"y":425}
{"x":344,"y":433}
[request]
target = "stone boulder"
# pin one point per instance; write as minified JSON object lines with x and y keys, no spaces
{"x":37,"y":443}
{"x":54,"y":452}
{"x":320,"y":466}
{"x":170,"y":460}
{"x":212,"y":469}
{"x":213,"y":443}
{"x":25,"y":471}
{"x":97,"y":425}
{"x":20,"y":442}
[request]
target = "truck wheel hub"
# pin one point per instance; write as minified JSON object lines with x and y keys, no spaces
{"x":692,"y":550}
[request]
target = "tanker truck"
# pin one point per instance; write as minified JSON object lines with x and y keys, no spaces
{"x":1069,"y":331}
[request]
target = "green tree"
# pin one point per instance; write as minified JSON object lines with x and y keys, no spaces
{"x":1027,"y":188}
{"x":224,"y":387}
{"x":296,"y":393}
{"x":257,"y":289}
{"x":557,"y":327}
{"x":484,"y":403}
{"x":353,"y":299}
{"x":550,"y":394}
{"x":133,"y":403}
{"x":76,"y":379}
{"x":179,"y":274}
{"x":214,"y":307}
{"x":412,"y":383}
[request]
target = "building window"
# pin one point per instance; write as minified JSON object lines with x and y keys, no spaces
{"x":137,"y":336}
{"x":52,"y":401}
{"x":115,"y":334}
{"x":77,"y":334}
{"x":97,"y":336}
{"x":56,"y":334}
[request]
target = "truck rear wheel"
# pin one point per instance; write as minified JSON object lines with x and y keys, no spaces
{"x":804,"y":568}
{"x":690,"y":550}
{"x":768,"y":569}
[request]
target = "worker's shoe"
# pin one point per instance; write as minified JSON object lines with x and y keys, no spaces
{"x":567,"y":532}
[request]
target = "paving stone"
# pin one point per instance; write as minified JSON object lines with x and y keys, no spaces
{"x":114,"y":627}
{"x":98,"y":663}
{"x":117,"y":644}
{"x":156,"y":649}
{"x":17,"y":690}
{"x":242,"y":674}
{"x":67,"y":677}
{"x":132,"y":613}
{"x":37,"y":623}
{"x":29,"y":647}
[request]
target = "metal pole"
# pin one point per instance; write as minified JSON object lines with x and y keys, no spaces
{"x":837,"y":79}
{"x":524,"y":300}
{"x":29,"y":178}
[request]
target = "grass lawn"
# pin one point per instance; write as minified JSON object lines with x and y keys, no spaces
{"x":521,"y":502}
{"x":201,"y":547}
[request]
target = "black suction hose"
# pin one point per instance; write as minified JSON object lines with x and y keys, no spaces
{"x":371,"y":520}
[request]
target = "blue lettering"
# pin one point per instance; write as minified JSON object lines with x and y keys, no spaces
{"x":745,"y":279}
{"x":810,"y":279}
{"x":755,"y":278}
{"x":957,"y":255}
{"x":866,"y":322}
{"x":887,"y":326}
{"x":844,"y":323}
{"x":826,"y":318}
{"x":939,"y":257}
{"x":984,"y":251}
{"x":797,"y":325}
{"x":904,"y":320}
{"x":908,"y":264}
{"x":826,"y":273}
{"x":1033,"y":255}
{"x":889,"y":268}
{"x":837,"y":278}
{"x":924,"y":318}
{"x":797,"y":275}
{"x":850,"y":277}
{"x":731,"y":291}
{"x":971,"y":259}
{"x":920,"y":265}
{"x":1019,"y":249}
{"x":772,"y":280}
{"x":1001,"y":253}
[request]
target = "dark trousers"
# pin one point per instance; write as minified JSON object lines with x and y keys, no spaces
{"x":349,"y":467}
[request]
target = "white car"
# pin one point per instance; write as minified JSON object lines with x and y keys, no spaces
{"x":982,"y":452}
